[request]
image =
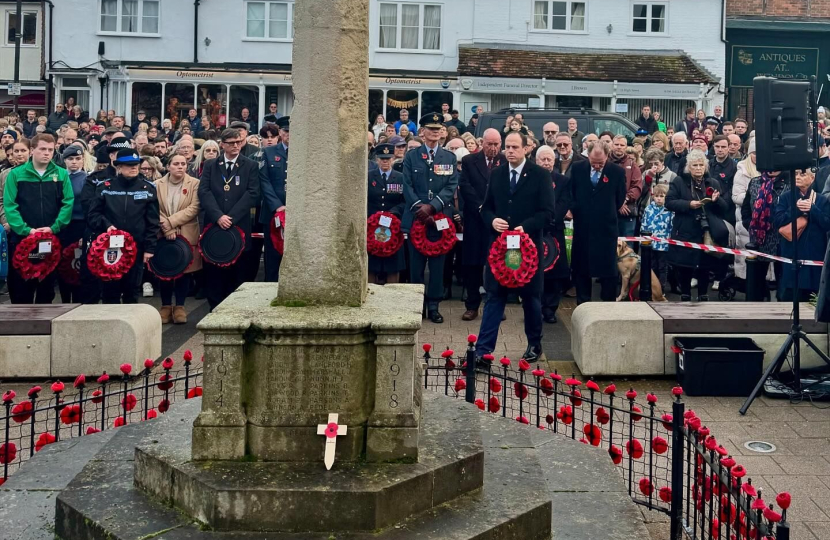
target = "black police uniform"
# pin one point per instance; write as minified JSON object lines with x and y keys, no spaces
{"x":385,"y":194}
{"x":128,"y":204}
{"x":430,"y":177}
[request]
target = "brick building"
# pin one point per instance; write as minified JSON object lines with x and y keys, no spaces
{"x":777,"y":38}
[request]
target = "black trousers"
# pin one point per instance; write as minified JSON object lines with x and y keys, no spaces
{"x":584,"y":288}
{"x":30,"y":291}
{"x":552,"y":295}
{"x":473,"y":281}
{"x":273,"y":260}
{"x":250,"y":260}
{"x":124,"y":289}
{"x":221,"y":281}
{"x":435,"y":287}
{"x":685,"y":275}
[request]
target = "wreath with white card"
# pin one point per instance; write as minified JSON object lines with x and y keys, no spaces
{"x":427,"y":247}
{"x":383,"y":234}
{"x":37,"y":255}
{"x":514,"y":259}
{"x":112,"y":255}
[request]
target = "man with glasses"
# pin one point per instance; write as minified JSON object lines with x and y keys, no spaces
{"x":565,"y":155}
{"x":550,"y":130}
{"x":228,"y":189}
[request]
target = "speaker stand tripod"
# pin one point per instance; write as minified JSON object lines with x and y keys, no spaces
{"x":796,"y":335}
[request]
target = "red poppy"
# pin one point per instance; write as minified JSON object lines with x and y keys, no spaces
{"x":167,"y":363}
{"x":631,"y":394}
{"x":92,"y":430}
{"x":460,"y":384}
{"x":574,"y":397}
{"x":80,"y":381}
{"x":97,"y":396}
{"x":602,"y":416}
{"x":784,"y":500}
{"x":522,"y":419}
{"x":651,"y":398}
{"x":573,"y":382}
{"x":151,"y":414}
{"x":546,"y":386}
{"x":104,"y":378}
{"x":636,"y":417}
{"x":129,"y":402}
{"x":646,"y":488}
{"x":164,"y":405}
{"x":471,"y":338}
{"x":184,"y":191}
{"x":427,"y":347}
{"x":728,"y":462}
{"x":149,"y":363}
{"x":126,"y":368}
{"x":677,"y":391}
{"x":34,"y":391}
{"x":188,"y":356}
{"x":493,"y":406}
{"x":9,"y":396}
{"x":593,"y":434}
{"x":513,"y":277}
{"x":22,"y":411}
{"x":610,"y":389}
{"x":660,"y":445}
{"x":538,"y":372}
{"x":71,"y":414}
{"x":665,"y":494}
{"x":119,"y":422}
{"x":488,"y":358}
{"x":771,"y":515}
{"x":555,"y":377}
{"x":565,"y":414}
{"x":165,"y":382}
{"x":480,"y":403}
{"x":592,"y":386}
{"x":523,"y":365}
{"x":196,"y":391}
{"x":710,"y":191}
{"x":8,"y":451}
{"x":549,"y":418}
{"x":44,"y":440}
{"x":495,"y":385}
{"x":605,"y":179}
{"x":505,"y":361}
{"x":520,"y":390}
{"x":634,"y":448}
{"x":668,"y":420}
{"x":616,"y":454}
{"x":750,"y":490}
{"x":57,"y":386}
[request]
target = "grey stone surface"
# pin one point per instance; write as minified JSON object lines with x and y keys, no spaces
{"x":293,"y":366}
{"x":25,"y":356}
{"x":617,"y":338}
{"x":95,"y":338}
{"x":325,"y":257}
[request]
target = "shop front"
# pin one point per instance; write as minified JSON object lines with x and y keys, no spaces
{"x":389,"y":95}
{"x":781,"y":49}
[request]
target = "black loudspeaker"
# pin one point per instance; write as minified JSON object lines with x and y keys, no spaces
{"x":782,"y":127}
{"x":101,"y":48}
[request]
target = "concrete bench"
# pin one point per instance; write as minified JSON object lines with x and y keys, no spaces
{"x":635,"y":338}
{"x":64,"y":340}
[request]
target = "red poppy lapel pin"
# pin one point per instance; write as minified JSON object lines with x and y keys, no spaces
{"x":277,"y":158}
{"x":106,"y":184}
{"x":604,"y":179}
{"x":423,"y":156}
{"x":374,"y":184}
{"x":184,"y":191}
{"x":723,"y":175}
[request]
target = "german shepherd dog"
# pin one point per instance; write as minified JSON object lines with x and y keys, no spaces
{"x":628,"y":263}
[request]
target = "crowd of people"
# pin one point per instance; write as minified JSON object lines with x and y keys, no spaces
{"x":696,"y":181}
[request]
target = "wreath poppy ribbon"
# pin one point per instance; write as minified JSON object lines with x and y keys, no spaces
{"x":427,"y":247}
{"x":375,"y":244}
{"x":523,"y":274}
{"x":278,"y":233}
{"x":96,"y":258}
{"x":30,"y":267}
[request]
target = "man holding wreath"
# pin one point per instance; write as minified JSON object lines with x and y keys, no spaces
{"x":520,"y":198}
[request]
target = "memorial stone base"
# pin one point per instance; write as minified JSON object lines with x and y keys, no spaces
{"x":274,"y":373}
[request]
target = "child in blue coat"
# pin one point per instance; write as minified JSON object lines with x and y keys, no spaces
{"x":657,"y":220}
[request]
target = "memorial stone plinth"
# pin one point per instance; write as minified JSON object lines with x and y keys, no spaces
{"x":273,"y":374}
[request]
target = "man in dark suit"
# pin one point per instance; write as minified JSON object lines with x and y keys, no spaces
{"x":557,"y":279}
{"x":430,"y":178}
{"x":472,"y":186}
{"x":273,"y":170}
{"x":520,"y":198}
{"x":228,"y":189}
{"x":597,"y":194}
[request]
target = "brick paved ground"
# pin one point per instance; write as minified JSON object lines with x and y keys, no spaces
{"x":800,"y":432}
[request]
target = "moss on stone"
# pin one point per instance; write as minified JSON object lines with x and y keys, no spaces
{"x":288,"y":303}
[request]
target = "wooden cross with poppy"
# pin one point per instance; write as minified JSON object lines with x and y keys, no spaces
{"x":331,"y":430}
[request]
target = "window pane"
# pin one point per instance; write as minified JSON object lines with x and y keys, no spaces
{"x":658,"y":25}
{"x":388,"y":26}
{"x":658,"y":18}
{"x":639,"y":25}
{"x":432,"y":28}
{"x":559,"y":23}
{"x":256,"y":20}
{"x":640,"y":10}
{"x":409,"y":26}
{"x":29,"y":28}
{"x":578,"y":16}
{"x":129,"y":15}
{"x":540,"y":15}
{"x":560,"y":8}
{"x":109,"y":17}
{"x":278,"y":25}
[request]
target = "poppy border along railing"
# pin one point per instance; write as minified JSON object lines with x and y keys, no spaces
{"x":46,"y":416}
{"x":670,"y":462}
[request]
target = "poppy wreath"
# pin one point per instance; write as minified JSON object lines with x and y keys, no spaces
{"x":425,"y":246}
{"x":389,"y":247}
{"x":180,"y":274}
{"x":278,"y":233}
{"x":66,"y":267}
{"x":508,"y":277}
{"x":36,"y":268}
{"x":97,"y":252}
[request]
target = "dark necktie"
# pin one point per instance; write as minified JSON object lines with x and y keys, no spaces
{"x":489,"y":164}
{"x":514,"y":180}
{"x":384,"y":177}
{"x":431,"y":154}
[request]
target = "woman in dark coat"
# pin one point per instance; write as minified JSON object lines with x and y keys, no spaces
{"x":812,"y":243}
{"x":760,"y":201}
{"x":385,"y":196}
{"x":691,"y":218}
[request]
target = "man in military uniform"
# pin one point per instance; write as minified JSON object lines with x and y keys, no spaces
{"x":273,"y":169}
{"x":430,"y":179}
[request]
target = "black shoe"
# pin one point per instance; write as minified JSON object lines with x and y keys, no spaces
{"x":533,"y":353}
{"x":550,"y":318}
{"x":435,"y":316}
{"x":703,"y":298}
{"x":685,"y":298}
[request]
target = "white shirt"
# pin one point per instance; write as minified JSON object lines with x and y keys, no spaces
{"x":229,"y":161}
{"x":518,"y":171}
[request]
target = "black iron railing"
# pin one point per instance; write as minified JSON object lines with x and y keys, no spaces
{"x":670,"y":462}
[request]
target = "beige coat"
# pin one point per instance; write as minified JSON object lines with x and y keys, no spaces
{"x":185,"y":218}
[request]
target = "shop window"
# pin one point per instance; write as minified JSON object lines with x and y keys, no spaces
{"x":649,"y":17}
{"x":211,"y":99}
{"x":432,"y":101}
{"x":375,"y":105}
{"x":398,"y":100}
{"x":559,"y":16}
{"x":147,"y":97}
{"x":410,"y":26}
{"x":178,"y":102}
{"x":129,"y":17}
{"x":245,"y":97}
{"x":270,"y":20}
{"x":29,"y":34}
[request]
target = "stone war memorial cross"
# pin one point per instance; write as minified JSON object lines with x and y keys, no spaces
{"x":320,"y":353}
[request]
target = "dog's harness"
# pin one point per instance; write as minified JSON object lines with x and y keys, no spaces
{"x":631,"y":255}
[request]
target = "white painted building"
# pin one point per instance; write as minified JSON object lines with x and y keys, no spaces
{"x":35,"y":31}
{"x":149,"y":54}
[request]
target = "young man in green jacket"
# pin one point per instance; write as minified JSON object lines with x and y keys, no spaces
{"x":37,"y":197}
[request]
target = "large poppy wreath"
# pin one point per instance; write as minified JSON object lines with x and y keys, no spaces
{"x":34,"y":265}
{"x":425,"y":246}
{"x":383,"y":240}
{"x":111,"y":264}
{"x":513,"y":268}
{"x":69,"y":268}
{"x":278,"y":233}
